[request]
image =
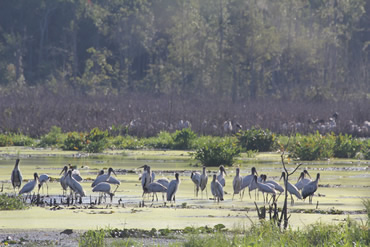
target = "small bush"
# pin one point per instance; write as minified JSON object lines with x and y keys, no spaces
{"x":365,"y":149}
{"x":313,"y":147}
{"x":162,"y":140}
{"x":11,"y":203}
{"x":54,"y":137}
{"x":217,"y":153}
{"x":22,"y":140}
{"x":92,"y":238}
{"x":182,"y":139}
{"x":5,"y":141}
{"x":96,"y":141}
{"x":74,"y":141}
{"x":346,"y":146}
{"x":256,"y":139}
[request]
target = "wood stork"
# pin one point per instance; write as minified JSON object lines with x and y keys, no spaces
{"x":44,"y":179}
{"x":16,"y":176}
{"x":311,"y":188}
{"x":204,"y":181}
{"x":74,"y":185}
{"x":195,"y":177}
{"x":246,"y":180}
{"x":146,"y":179}
{"x":276,"y":185}
{"x":104,"y":188}
{"x":220,"y":177}
{"x":28,"y":187}
{"x":163,"y":181}
{"x":291,"y":189}
{"x":302,"y":181}
{"x":75,"y":173}
{"x":217,"y":189}
{"x":264,"y":188}
{"x":237,"y":182}
{"x":172,"y":188}
{"x":63,"y":179}
{"x":155,"y":188}
{"x":107,"y":178}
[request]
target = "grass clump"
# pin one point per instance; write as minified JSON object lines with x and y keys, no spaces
{"x":92,"y":238}
{"x":11,"y":203}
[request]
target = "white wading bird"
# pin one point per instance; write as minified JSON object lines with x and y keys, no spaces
{"x":311,"y":188}
{"x":28,"y":187}
{"x":16,"y":176}
{"x":44,"y":179}
{"x":172,"y":189}
{"x":217,"y":189}
{"x":195,"y":177}
{"x":220,"y":177}
{"x":237,"y":182}
{"x":291,"y":189}
{"x":204,"y":181}
{"x":302,"y":180}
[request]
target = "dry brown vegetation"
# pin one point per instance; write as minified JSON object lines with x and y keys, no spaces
{"x":34,"y":111}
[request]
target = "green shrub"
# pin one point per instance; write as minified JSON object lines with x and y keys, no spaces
{"x":11,"y":203}
{"x":346,"y":146}
{"x":256,"y":139}
{"x":96,"y":141}
{"x":74,"y":141}
{"x":217,"y":153}
{"x":5,"y":141}
{"x":313,"y":147}
{"x":54,"y":137}
{"x":182,"y":139}
{"x":92,"y":238}
{"x":162,"y":140}
{"x":22,"y":140}
{"x":365,"y":149}
{"x":128,"y":142}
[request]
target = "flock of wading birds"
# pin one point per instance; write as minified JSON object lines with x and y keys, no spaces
{"x":70,"y":179}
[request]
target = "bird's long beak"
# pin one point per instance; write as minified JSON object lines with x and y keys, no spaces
{"x":114,"y":173}
{"x":62,"y":171}
{"x":307,"y":173}
{"x":282,"y":175}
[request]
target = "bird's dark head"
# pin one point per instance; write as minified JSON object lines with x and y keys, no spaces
{"x":204,"y":168}
{"x":237,"y":170}
{"x":255,"y":177}
{"x":318,"y":176}
{"x":306,"y":172}
{"x":110,"y":170}
{"x":144,"y":166}
{"x":192,"y":174}
{"x":254,"y":171}
{"x":16,"y":162}
{"x":35,"y":175}
{"x":65,"y":169}
{"x":177,"y":176}
{"x":222,"y":169}
{"x":101,"y":172}
{"x":214,"y":177}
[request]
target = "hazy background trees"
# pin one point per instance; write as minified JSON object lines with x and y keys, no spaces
{"x":232,"y":50}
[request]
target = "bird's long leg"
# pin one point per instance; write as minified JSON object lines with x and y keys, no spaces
{"x":291,"y":199}
{"x":207,"y":193}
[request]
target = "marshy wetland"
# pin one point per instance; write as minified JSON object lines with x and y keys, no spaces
{"x":343,"y":186}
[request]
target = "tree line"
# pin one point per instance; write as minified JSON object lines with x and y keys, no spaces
{"x":235,"y":49}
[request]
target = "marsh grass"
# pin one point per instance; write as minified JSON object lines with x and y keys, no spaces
{"x":11,"y":203}
{"x":92,"y":238}
{"x":349,"y":233}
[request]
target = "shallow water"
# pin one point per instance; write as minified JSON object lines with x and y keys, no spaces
{"x":343,"y":186}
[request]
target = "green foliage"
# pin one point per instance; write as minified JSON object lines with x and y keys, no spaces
{"x":74,"y":141}
{"x":21,"y":140}
{"x":313,"y":147}
{"x":5,"y":140}
{"x":256,"y":139}
{"x":96,"y":141}
{"x":53,"y":138}
{"x":217,"y":153}
{"x":92,"y":238}
{"x":267,"y":234}
{"x":182,"y":139}
{"x":163,"y":140}
{"x":11,"y":203}
{"x":365,"y":149}
{"x":127,"y":142}
{"x":346,"y":146}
